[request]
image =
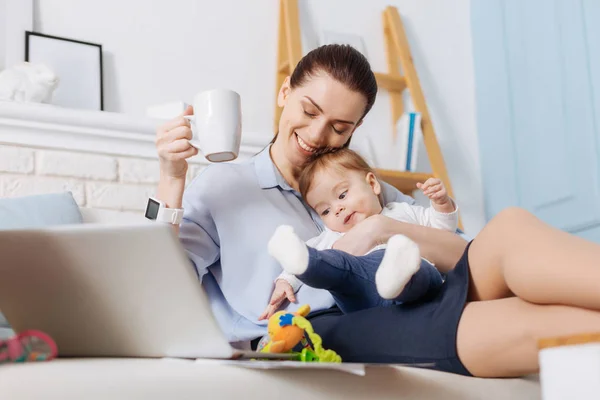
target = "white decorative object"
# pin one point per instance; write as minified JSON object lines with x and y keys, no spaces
{"x":33,"y":83}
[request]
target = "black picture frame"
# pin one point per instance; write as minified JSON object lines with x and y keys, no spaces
{"x":29,"y":57}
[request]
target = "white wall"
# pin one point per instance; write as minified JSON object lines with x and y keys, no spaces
{"x":16,"y":17}
{"x":157,"y":51}
{"x":2,"y":33}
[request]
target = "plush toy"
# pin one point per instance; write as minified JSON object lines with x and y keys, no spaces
{"x":287,"y":329}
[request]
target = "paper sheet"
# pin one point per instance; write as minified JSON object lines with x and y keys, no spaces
{"x":350,"y":368}
{"x":358,"y":369}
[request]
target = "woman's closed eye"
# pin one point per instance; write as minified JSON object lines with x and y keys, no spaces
{"x":314,"y":115}
{"x":339,"y":132}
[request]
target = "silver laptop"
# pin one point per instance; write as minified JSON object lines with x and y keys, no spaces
{"x":103,"y":290}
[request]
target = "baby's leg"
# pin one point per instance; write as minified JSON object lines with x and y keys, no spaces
{"x":426,"y":282}
{"x":401,"y":261}
{"x":350,"y":279}
{"x":287,"y":248}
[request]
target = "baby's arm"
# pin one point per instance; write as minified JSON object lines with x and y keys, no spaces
{"x":423,"y":216}
{"x":294,"y":282}
{"x":436,"y":191}
{"x":443,"y":212}
{"x":442,"y":220}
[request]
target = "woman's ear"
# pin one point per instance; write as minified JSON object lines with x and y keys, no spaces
{"x":374,"y":183}
{"x":284,"y":92}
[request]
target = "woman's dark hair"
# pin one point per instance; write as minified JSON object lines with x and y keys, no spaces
{"x":343,"y":63}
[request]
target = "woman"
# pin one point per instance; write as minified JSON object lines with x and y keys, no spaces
{"x":519,"y":280}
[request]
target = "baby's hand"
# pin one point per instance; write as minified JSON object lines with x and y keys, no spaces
{"x":283,"y":290}
{"x":436,"y":191}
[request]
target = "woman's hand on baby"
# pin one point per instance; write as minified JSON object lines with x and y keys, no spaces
{"x":363,"y":236}
{"x":283,"y":291}
{"x":172,"y":143}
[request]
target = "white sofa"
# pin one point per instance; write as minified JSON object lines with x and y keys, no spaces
{"x":183,"y":379}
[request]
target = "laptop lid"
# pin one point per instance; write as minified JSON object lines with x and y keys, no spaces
{"x":105,"y":290}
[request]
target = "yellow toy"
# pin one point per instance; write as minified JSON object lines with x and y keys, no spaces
{"x":287,"y":329}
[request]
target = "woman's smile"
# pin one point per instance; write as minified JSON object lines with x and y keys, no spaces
{"x":304,"y":146}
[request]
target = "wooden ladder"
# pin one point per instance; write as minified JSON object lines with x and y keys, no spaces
{"x":398,"y":54}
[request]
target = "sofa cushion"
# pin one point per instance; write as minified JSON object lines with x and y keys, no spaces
{"x":36,"y":212}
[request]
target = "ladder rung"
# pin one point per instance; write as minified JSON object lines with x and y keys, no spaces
{"x":390,"y":82}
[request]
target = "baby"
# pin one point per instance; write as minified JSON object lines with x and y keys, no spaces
{"x":342,"y":188}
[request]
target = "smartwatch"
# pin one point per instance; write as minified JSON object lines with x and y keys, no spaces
{"x":157,"y":211}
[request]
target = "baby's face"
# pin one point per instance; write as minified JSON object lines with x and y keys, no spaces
{"x":344,"y":198}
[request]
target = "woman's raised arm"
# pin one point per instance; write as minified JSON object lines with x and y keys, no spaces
{"x":173,"y":147}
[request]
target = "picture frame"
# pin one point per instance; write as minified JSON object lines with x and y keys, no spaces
{"x":78,"y":65}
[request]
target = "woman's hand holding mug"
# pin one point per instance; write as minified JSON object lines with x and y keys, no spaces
{"x":173,"y":145}
{"x":213,"y":125}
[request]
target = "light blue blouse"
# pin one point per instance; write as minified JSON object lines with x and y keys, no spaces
{"x":231,"y":211}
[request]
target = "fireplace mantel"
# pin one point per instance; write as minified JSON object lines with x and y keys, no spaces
{"x":47,"y":126}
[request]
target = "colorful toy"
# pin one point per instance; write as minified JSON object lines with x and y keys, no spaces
{"x":28,"y":345}
{"x":287,"y":329}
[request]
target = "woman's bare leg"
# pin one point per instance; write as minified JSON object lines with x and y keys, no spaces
{"x":518,"y":254}
{"x":498,"y":338}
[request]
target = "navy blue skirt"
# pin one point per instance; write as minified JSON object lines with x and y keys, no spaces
{"x":406,"y":333}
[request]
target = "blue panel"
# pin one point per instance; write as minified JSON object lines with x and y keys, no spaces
{"x":591,"y":17}
{"x":578,"y":127}
{"x":535,"y":69}
{"x":592,"y":234}
{"x":494,"y":117}
{"x":537,"y":76}
{"x":591,"y":13}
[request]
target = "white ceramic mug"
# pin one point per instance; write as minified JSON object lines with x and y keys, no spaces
{"x":217,"y":124}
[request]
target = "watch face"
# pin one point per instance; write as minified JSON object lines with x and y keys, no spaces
{"x":152,"y":209}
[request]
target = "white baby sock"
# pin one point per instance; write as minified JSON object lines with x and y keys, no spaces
{"x":289,"y":250}
{"x":400,"y":262}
